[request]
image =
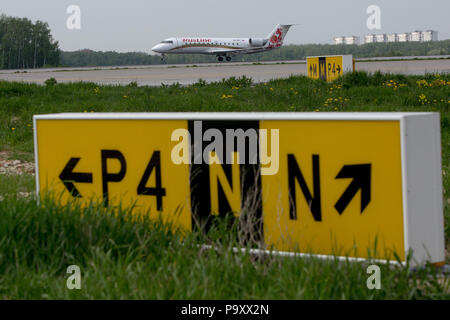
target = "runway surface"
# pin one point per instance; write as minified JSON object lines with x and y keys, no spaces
{"x":155,"y":75}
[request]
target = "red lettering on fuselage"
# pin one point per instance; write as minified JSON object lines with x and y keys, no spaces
{"x":190,"y":40}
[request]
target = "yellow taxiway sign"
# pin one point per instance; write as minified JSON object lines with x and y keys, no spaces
{"x":348,"y":184}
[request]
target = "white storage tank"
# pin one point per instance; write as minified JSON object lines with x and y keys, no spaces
{"x":381,"y":38}
{"x":351,"y":40}
{"x":339,"y":40}
{"x":392,"y":37}
{"x":430,"y":35}
{"x":403,"y":37}
{"x":416,"y":36}
{"x":370,"y":38}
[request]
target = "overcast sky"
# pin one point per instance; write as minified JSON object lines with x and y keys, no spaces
{"x":137,"y":25}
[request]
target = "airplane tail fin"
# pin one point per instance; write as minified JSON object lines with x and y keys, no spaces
{"x":277,"y":35}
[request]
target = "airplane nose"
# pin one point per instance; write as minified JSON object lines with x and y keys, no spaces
{"x":157,"y":48}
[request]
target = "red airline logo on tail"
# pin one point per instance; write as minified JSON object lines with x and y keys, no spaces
{"x":276,"y":39}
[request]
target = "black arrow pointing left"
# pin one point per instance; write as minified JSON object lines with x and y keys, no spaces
{"x":68,"y":177}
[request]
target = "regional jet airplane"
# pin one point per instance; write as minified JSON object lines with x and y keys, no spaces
{"x":223,"y":47}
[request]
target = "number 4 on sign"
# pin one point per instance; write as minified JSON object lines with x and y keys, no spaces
{"x":158,"y":191}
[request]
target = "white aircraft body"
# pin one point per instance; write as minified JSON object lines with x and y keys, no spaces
{"x":223,"y":47}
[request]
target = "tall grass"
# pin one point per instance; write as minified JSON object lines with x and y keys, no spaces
{"x":357,"y":91}
{"x":354,"y":92}
{"x":125,"y":258}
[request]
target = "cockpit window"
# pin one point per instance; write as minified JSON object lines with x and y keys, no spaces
{"x":167,"y":41}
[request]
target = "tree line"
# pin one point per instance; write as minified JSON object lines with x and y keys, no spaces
{"x":24,"y":44}
{"x":86,"y":57}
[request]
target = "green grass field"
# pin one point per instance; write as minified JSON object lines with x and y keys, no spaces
{"x":124,"y":258}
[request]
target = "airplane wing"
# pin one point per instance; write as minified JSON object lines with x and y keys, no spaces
{"x":224,"y":51}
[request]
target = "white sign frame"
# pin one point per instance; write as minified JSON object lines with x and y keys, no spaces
{"x":420,"y":160}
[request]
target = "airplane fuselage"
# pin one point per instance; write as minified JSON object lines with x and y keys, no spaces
{"x":205,"y":45}
{"x":222,"y":47}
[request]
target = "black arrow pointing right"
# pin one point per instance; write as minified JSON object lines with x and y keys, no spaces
{"x":361,"y":174}
{"x":68,"y":177}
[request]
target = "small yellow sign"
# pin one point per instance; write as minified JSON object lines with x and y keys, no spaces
{"x":335,"y":68}
{"x":328,"y":68}
{"x":313,"y":68}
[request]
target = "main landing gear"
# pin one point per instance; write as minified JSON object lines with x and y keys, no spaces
{"x":220,"y":58}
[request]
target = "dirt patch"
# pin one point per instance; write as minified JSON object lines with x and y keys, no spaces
{"x":14,"y":167}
